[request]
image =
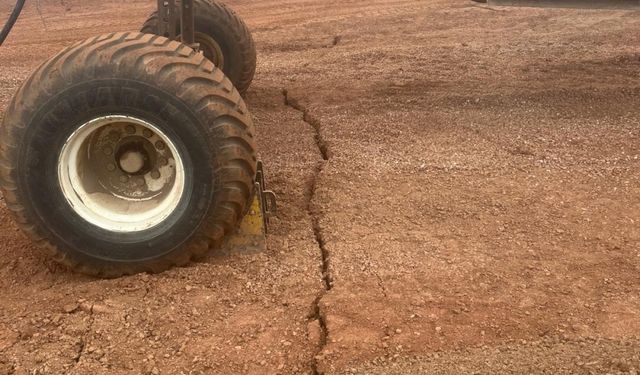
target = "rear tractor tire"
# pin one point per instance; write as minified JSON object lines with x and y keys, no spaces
{"x":223,"y":38}
{"x":127,"y":153}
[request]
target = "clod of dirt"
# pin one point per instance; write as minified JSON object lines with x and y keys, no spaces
{"x":70,"y":308}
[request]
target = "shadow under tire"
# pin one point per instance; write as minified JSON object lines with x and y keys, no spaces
{"x":127,"y":153}
{"x":224,"y":39}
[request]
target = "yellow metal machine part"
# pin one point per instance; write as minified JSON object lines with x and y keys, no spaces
{"x":251,"y":235}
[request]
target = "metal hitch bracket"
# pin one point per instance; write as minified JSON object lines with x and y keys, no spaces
{"x":169,"y":16}
{"x":251,"y":234}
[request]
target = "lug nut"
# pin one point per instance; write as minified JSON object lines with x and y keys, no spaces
{"x":163,"y":161}
{"x":107,"y":150}
{"x":111,"y":167}
{"x":155,"y":175}
{"x":147,"y":133}
{"x":124,"y":179}
{"x":130,"y":129}
{"x":160,"y":145}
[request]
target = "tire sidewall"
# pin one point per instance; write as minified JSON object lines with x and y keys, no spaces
{"x":65,"y":112}
{"x":234,"y":39}
{"x":233,"y":58}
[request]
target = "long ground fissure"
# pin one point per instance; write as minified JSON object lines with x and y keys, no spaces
{"x":315,"y":217}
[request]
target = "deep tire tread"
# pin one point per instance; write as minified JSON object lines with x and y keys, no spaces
{"x":218,"y":13}
{"x":177,"y":69}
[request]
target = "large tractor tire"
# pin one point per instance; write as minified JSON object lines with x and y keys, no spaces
{"x":223,"y":38}
{"x":127,"y":153}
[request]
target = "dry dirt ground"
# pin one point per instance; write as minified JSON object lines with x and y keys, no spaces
{"x":459,"y":190}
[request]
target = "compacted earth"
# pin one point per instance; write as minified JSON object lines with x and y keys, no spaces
{"x":459,"y":192}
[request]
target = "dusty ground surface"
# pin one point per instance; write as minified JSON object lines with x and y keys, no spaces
{"x":459,"y":191}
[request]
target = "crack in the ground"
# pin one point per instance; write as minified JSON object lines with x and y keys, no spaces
{"x":309,"y":119}
{"x":317,"y":230}
{"x":80,"y":351}
{"x":324,"y":151}
{"x":315,"y":221}
{"x":146,"y":291}
{"x":324,"y":332}
{"x":83,"y":340}
{"x":381,"y":284}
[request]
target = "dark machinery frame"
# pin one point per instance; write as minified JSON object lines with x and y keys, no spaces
{"x":168,"y":18}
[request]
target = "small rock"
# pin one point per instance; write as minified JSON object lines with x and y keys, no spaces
{"x":70,"y":307}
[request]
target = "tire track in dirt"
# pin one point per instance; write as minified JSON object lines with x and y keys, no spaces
{"x":327,"y":277}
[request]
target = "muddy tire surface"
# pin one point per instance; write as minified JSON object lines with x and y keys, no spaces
{"x":224,"y":39}
{"x":201,"y":170}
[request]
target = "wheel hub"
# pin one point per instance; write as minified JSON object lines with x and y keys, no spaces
{"x":211,"y":49}
{"x":132,"y":162}
{"x":121,"y":174}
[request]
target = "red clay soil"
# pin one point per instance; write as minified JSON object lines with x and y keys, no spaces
{"x":459,"y":189}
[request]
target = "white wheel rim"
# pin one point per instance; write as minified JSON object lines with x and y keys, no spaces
{"x":121,"y":174}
